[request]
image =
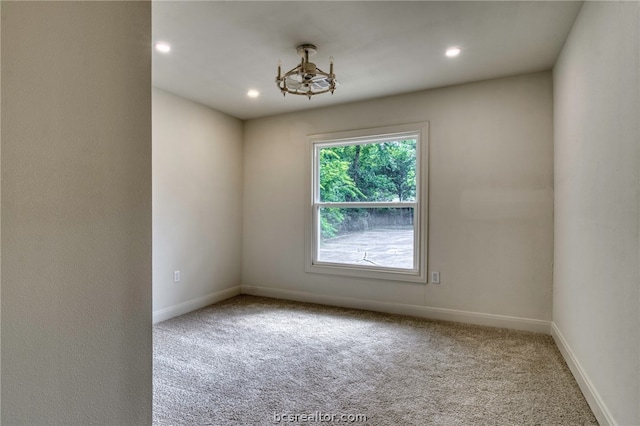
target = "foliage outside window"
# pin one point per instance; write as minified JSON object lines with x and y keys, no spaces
{"x":366,"y":205}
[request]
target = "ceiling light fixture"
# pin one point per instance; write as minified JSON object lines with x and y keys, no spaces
{"x":162,"y":47}
{"x":306,"y":78}
{"x":453,"y":52}
{"x":253,"y":93}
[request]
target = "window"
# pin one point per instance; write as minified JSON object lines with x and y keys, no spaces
{"x":367,"y":216}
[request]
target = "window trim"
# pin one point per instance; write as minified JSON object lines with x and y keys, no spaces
{"x":421,"y":208}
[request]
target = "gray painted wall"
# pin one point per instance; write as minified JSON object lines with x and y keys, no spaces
{"x":197,"y":204}
{"x":490,"y":197}
{"x":76,"y":213}
{"x":596,"y":298}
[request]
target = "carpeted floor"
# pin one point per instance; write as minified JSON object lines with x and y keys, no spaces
{"x":259,"y":361}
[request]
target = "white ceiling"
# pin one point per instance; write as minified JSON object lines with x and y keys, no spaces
{"x":222,"y":49}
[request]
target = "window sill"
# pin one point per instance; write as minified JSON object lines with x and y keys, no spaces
{"x":386,"y":274}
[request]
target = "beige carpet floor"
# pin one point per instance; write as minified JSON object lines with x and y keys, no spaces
{"x":259,"y":361}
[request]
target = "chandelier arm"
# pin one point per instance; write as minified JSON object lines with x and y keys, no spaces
{"x":293,"y":70}
{"x":319,"y":71}
{"x":289,"y":74}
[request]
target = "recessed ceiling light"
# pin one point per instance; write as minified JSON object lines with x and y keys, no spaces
{"x":453,"y":52}
{"x":162,"y":47}
{"x":253,"y":93}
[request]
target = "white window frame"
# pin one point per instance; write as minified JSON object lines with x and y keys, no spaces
{"x":419,"y":131}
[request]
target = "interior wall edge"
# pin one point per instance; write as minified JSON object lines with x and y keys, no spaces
{"x":597,"y":405}
{"x":0,"y":213}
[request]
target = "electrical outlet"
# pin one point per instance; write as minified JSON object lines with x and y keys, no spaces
{"x":176,"y":276}
{"x":435,"y":277}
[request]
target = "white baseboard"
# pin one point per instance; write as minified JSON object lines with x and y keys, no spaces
{"x":191,"y":305}
{"x":603,"y":415}
{"x":517,"y":323}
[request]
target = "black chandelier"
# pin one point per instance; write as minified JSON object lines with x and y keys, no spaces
{"x":306,"y":78}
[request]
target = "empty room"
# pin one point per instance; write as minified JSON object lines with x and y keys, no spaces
{"x":383,"y":213}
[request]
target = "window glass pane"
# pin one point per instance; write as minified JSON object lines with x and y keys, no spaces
{"x":368,"y":172}
{"x":367,"y":237}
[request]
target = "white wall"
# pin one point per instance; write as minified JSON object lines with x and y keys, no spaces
{"x":491,"y":195}
{"x":76,"y":213}
{"x":596,"y":303}
{"x":197,"y":205}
